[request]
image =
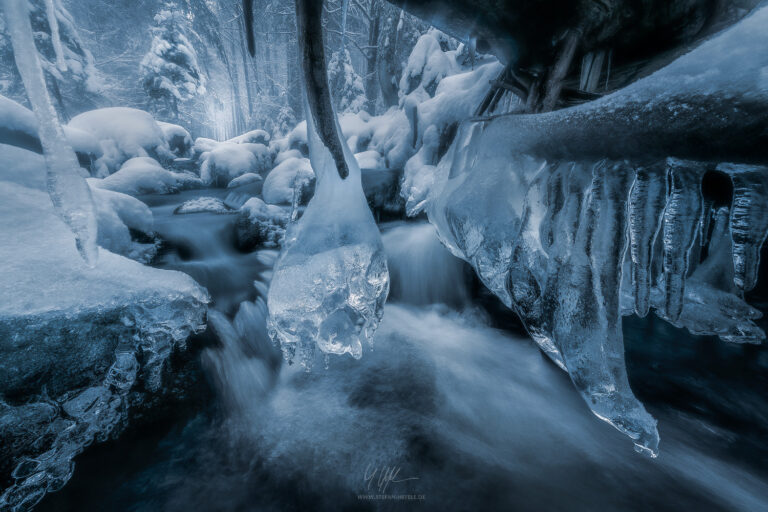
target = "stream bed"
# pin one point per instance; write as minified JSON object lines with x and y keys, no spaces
{"x":447,"y":412}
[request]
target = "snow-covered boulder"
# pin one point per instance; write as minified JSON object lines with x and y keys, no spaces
{"x":117,"y":215}
{"x":264,"y":156}
{"x":178,"y":138}
{"x":204,"y":145}
{"x":281,"y":181}
{"x":141,"y":175}
{"x":285,"y":155}
{"x":18,"y":127}
{"x":253,"y":137}
{"x":124,"y":133}
{"x":260,"y":224}
{"x":203,"y":205}
{"x":226,"y":162}
{"x":297,"y":139}
{"x":245,"y":179}
{"x":74,"y":339}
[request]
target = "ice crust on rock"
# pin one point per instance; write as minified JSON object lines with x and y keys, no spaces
{"x":92,"y":333}
{"x":331,"y":281}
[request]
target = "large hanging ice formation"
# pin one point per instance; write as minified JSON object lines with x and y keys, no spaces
{"x":67,"y":188}
{"x":331,"y":280}
{"x":577,"y":217}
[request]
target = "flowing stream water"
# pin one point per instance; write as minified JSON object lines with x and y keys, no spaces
{"x":446,"y":413}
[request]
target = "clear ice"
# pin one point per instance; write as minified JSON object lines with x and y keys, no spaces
{"x":571,"y":240}
{"x":69,"y":192}
{"x":331,"y":280}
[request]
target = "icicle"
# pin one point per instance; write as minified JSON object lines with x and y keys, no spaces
{"x":681,"y":219}
{"x":749,"y":220}
{"x":331,"y":281}
{"x":646,"y":205}
{"x":584,"y":295}
{"x":69,"y":192}
{"x":53,"y":22}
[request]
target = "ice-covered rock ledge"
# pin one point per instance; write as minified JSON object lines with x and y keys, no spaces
{"x":73,"y":341}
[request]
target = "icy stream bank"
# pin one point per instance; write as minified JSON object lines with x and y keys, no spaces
{"x":73,"y":340}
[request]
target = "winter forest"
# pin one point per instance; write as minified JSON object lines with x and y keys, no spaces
{"x":383,"y":254}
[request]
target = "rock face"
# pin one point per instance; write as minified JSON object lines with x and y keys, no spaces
{"x":260,"y":224}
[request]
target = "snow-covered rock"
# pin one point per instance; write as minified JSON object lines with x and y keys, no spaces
{"x":18,"y":127}
{"x":117,"y":214}
{"x":252,"y":137}
{"x":178,"y":138}
{"x":260,"y":225}
{"x":227,"y":161}
{"x":204,"y":145}
{"x":144,"y":175}
{"x":203,"y":205}
{"x":124,"y":133}
{"x":74,"y":339}
{"x":245,"y":179}
{"x":281,"y":181}
{"x":140,"y":175}
{"x":282,"y":156}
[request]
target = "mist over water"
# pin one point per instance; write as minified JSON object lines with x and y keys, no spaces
{"x":464,"y":415}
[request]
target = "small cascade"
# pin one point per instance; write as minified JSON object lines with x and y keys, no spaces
{"x":422,"y":271}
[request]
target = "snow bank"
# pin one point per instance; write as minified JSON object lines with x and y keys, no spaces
{"x":124,"y":133}
{"x":281,"y":181}
{"x":73,"y":339}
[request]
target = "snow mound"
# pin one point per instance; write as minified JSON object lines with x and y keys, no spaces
{"x":178,"y":138}
{"x":140,"y":175}
{"x":283,"y":179}
{"x":203,"y":205}
{"x":204,"y":145}
{"x":282,"y":156}
{"x":117,"y":214}
{"x":245,"y":179}
{"x":124,"y":133}
{"x":227,"y":161}
{"x":252,"y":137}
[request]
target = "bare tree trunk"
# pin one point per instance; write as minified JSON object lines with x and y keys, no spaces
{"x":372,"y":56}
{"x":388,"y":70}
